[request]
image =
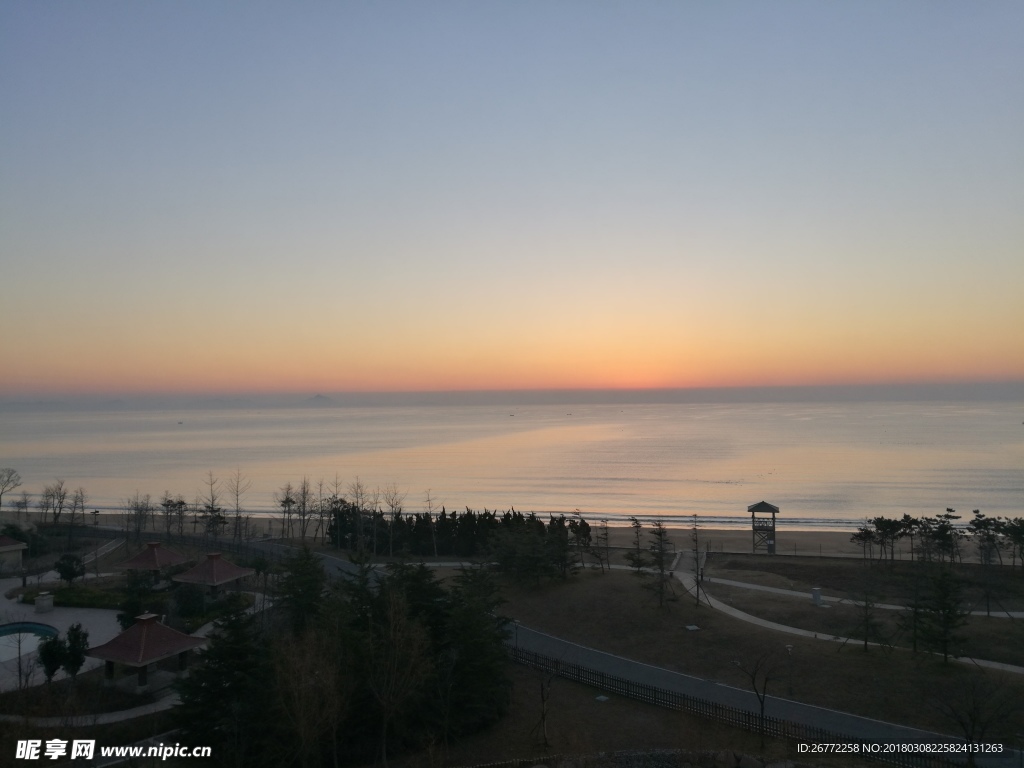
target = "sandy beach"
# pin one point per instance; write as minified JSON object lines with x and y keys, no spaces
{"x":826,"y":543}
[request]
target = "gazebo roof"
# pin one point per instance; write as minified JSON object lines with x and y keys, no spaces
{"x":213,"y":572}
{"x":763,"y":506}
{"x":144,"y":642}
{"x":8,"y":542}
{"x":152,"y":558}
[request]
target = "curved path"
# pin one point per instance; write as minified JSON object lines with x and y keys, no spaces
{"x":689,"y":583}
{"x":103,"y":718}
{"x":845,"y":725}
{"x":1001,"y":614}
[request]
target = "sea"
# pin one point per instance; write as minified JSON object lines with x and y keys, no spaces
{"x":826,"y":465}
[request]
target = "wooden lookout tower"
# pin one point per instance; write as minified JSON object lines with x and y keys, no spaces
{"x":763,"y":527}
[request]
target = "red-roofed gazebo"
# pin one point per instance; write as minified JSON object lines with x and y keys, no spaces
{"x":153,"y":558}
{"x":213,"y":572}
{"x":145,"y":642}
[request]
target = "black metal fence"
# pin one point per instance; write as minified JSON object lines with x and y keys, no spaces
{"x":739,"y":718}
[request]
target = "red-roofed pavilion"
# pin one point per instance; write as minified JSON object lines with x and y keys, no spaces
{"x":145,"y":642}
{"x":213,"y":572}
{"x":153,"y":558}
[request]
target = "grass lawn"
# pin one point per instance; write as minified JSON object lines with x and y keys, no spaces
{"x":849,"y":577}
{"x":60,"y":698}
{"x":577,"y":724}
{"x":613,"y":613}
{"x":991,"y":638}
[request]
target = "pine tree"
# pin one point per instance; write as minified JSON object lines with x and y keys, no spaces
{"x":944,"y":614}
{"x":302,"y":587}
{"x":77,"y":640}
{"x":51,"y":655}
{"x":472,"y":683}
{"x":224,"y":700}
{"x":659,"y":580}
{"x":637,"y":558}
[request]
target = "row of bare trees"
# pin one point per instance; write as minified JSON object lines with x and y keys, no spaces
{"x":307,"y":510}
{"x":57,"y":503}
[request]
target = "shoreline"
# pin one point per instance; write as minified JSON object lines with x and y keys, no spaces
{"x":789,"y":541}
{"x":263,"y":518}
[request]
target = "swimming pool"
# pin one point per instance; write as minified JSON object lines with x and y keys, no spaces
{"x":21,"y":637}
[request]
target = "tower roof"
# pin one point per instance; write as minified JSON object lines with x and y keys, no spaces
{"x":763,"y":506}
{"x":144,"y":642}
{"x":213,"y":571}
{"x":152,"y":558}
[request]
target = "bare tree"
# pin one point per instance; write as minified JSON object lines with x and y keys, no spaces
{"x":320,"y":509}
{"x":430,"y":518}
{"x":304,"y":506}
{"x":546,"y":679}
{"x":978,"y":706}
{"x":53,"y":500}
{"x":399,"y":663}
{"x":314,"y":691}
{"x":9,"y":480}
{"x":137,"y":511}
{"x":212,"y":513}
{"x":238,"y":485}
{"x":167,"y":505}
{"x":357,"y":496}
{"x":394,"y":499}
{"x":762,"y":671}
{"x":25,"y":667}
{"x":21,"y":505}
{"x":78,"y":500}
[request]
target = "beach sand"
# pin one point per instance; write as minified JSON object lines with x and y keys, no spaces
{"x":826,"y":543}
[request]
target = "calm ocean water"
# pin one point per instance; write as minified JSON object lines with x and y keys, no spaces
{"x":825,"y":465}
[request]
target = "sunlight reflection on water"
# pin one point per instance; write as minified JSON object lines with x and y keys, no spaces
{"x":831,"y":462}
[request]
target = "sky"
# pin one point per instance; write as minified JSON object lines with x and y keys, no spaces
{"x":210,"y":197}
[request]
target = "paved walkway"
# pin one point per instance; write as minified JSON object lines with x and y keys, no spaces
{"x":160,"y":705}
{"x":101,"y":625}
{"x":689,"y":583}
{"x":841,"y":723}
{"x":1000,"y":614}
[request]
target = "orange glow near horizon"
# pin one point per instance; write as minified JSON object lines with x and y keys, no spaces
{"x":557,"y":363}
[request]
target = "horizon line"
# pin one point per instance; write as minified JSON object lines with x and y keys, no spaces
{"x":900,"y":391}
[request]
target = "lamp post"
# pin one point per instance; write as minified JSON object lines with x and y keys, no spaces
{"x":789,"y":653}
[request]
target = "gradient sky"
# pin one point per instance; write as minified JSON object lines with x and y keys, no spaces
{"x":319,"y":196}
